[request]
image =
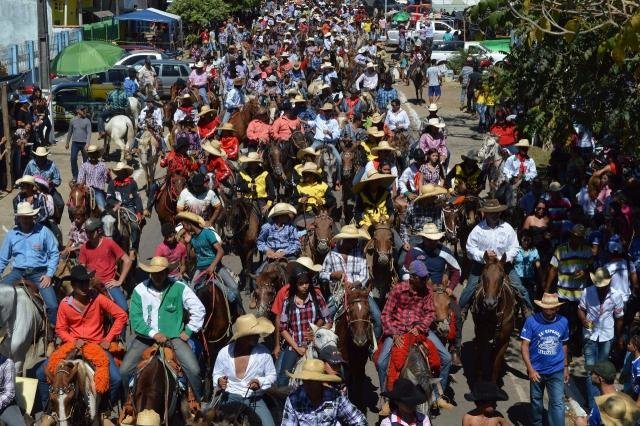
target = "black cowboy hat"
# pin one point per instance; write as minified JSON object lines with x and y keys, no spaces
{"x":181,"y":143}
{"x":486,"y":392}
{"x":406,"y":392}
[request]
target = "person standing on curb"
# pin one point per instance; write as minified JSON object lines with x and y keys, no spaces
{"x":79,"y":135}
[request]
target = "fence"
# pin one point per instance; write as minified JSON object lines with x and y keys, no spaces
{"x":107,"y":30}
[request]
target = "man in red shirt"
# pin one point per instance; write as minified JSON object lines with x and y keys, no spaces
{"x":283,"y":126}
{"x":100,"y":255}
{"x":81,"y":319}
{"x":177,"y":161}
{"x":504,"y":130}
{"x":175,"y":251}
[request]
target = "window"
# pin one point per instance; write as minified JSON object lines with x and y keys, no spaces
{"x":116,"y":75}
{"x":156,"y":67}
{"x":475,"y":50}
{"x":134,"y":60}
{"x":170,"y":71}
{"x":65,"y":96}
{"x":441,"y":27}
{"x":184,"y":71}
{"x":98,"y":78}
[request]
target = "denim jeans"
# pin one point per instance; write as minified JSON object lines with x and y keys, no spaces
{"x":77,"y":148}
{"x":226,"y":283}
{"x":115,"y":382}
{"x":374,"y":310}
{"x":474,"y":277}
{"x":203,"y":94}
{"x":48,"y":294}
{"x":594,"y":352}
{"x":554,"y":383}
{"x":12,"y":416}
{"x":482,"y":110}
{"x":286,"y":361}
{"x":101,"y":198}
{"x":331,"y":145}
{"x":257,"y":404}
{"x":383,"y":361}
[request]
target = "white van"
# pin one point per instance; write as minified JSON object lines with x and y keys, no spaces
{"x":413,"y":33}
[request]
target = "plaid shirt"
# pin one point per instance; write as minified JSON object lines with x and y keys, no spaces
{"x":275,"y":238}
{"x":94,"y":175}
{"x":301,"y":316}
{"x":406,"y":309}
{"x":355,"y":266}
{"x":298,"y":410}
{"x":384,"y":97}
{"x":417,"y":215}
{"x":7,"y":382}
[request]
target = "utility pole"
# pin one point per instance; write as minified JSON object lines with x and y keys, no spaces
{"x":6,"y":125}
{"x":43,"y":44}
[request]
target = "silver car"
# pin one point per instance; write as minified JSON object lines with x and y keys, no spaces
{"x":168,"y":72}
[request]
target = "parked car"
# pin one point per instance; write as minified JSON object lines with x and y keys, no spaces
{"x":413,"y":31}
{"x":443,"y":51}
{"x":65,"y":97}
{"x":168,"y":71}
{"x":138,"y":56}
{"x":101,"y":82}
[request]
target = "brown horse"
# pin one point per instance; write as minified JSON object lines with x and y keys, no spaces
{"x":493,"y":310}
{"x":268,"y":282}
{"x":280,"y":160}
{"x":315,"y":244}
{"x":167,"y":197}
{"x":444,"y":319}
{"x":84,"y":197}
{"x":355,"y":335}
{"x":242,"y":118}
{"x":240,"y":230}
{"x":458,"y":219}
{"x":379,"y":253}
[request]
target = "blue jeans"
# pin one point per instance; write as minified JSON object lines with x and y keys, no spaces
{"x":118,"y":296}
{"x":331,"y":145}
{"x":594,"y":352}
{"x":257,"y":404}
{"x":286,"y":361}
{"x":554,"y":383}
{"x":101,"y":198}
{"x":203,"y":94}
{"x":226,"y":283}
{"x":77,"y":148}
{"x":48,"y":294}
{"x":482,"y":111}
{"x":115,"y":382}
{"x":374,"y":310}
{"x":474,"y":277}
{"x":11,"y":415}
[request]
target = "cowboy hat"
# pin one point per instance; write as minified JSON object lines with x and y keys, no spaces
{"x":199,"y":64}
{"x":92,"y":224}
{"x":120,"y":166}
{"x":486,"y":392}
{"x":250,"y":325}
{"x":264,"y":59}
{"x":313,"y":369}
{"x":384,"y":146}
{"x":311,"y":167}
{"x":492,"y":206}
{"x":362,"y":50}
{"x":373,"y":177}
{"x":523,"y":143}
{"x":252,"y":157}
{"x":617,"y":409}
{"x":191,"y":217}
{"x":548,"y":301}
{"x":26,"y":179}
{"x":430,"y":190}
{"x":157,"y":264}
{"x":325,"y":86}
{"x":25,"y":209}
{"x":41,"y":151}
{"x":406,"y":392}
{"x":282,"y":209}
{"x":41,"y":182}
{"x":374,"y":132}
{"x":435,"y":122}
{"x":326,"y":65}
{"x":285,"y":54}
{"x":306,"y":151}
{"x":555,"y":186}
{"x":326,"y":107}
{"x":148,"y":418}
{"x":331,"y":354}
{"x":206,"y":109}
{"x":432,"y":107}
{"x":352,"y":232}
{"x":370,"y":65}
{"x":186,"y":96}
{"x":227,"y":126}
{"x":471,"y":155}
{"x":93,"y":149}
{"x":601,"y":278}
{"x":308,"y":263}
{"x":213,"y":147}
{"x":377,"y":118}
{"x":578,"y":230}
{"x":430,"y":231}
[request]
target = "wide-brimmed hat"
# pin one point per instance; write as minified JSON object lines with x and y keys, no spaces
{"x":282,"y":209}
{"x":250,"y":325}
{"x":430,"y":231}
{"x":375,"y":132}
{"x":435,"y":122}
{"x":308,"y":263}
{"x":326,"y":65}
{"x":555,"y":186}
{"x":377,"y":117}
{"x":578,"y":230}
{"x":492,"y":205}
{"x":313,"y":369}
{"x":430,"y":190}
{"x":41,"y":151}
{"x":92,"y":149}
{"x":92,"y":224}
{"x":327,"y":107}
{"x":227,"y":126}
{"x":148,"y":418}
{"x":617,"y":409}
{"x":363,"y":49}
{"x":42,"y":182}
{"x":406,"y":392}
{"x":199,"y":64}
{"x":548,"y":301}
{"x":26,"y":179}
{"x":524,"y":143}
{"x":310,"y":167}
{"x":373,"y":177}
{"x":432,"y":107}
{"x":121,"y":167}
{"x":192,"y":217}
{"x":306,"y":151}
{"x":370,"y":65}
{"x":325,"y":86}
{"x":186,"y":97}
{"x":252,"y":157}
{"x":384,"y":146}
{"x":471,"y":155}
{"x":24,"y":209}
{"x":299,"y":99}
{"x":352,"y":232}
{"x":213,"y":147}
{"x":600,"y":278}
{"x":156,"y":264}
{"x":486,"y":392}
{"x":206,"y":109}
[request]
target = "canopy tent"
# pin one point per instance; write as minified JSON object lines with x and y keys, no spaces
{"x":174,"y":22}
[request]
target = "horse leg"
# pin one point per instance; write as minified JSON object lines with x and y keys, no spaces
{"x":498,"y":361}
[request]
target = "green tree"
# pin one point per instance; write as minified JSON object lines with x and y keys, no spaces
{"x":196,"y":13}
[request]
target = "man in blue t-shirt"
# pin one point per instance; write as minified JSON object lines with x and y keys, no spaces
{"x":544,"y":351}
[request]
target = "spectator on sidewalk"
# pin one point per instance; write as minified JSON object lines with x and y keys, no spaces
{"x":611,"y":407}
{"x":79,"y":135}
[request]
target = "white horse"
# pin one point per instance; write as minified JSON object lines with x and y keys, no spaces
{"x":20,"y":322}
{"x":492,"y":159}
{"x":322,"y":337}
{"x":120,"y":130}
{"x":134,"y":107}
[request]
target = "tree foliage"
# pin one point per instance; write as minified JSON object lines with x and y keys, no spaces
{"x":195,"y":13}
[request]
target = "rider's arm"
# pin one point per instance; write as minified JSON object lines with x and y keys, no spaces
{"x":124,"y":268}
{"x":53,"y":255}
{"x":138,"y":323}
{"x":62,"y":328}
{"x":513,"y":245}
{"x":453,"y":266}
{"x":531,"y":172}
{"x":294,"y":242}
{"x":473,"y":250}
{"x":87,"y":125}
{"x":348,"y":414}
{"x":219,"y":254}
{"x":196,"y":311}
{"x":261,"y":242}
{"x":114,"y":311}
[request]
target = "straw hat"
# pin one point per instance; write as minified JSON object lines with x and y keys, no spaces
{"x":157,"y":264}
{"x":373,"y":177}
{"x":492,"y":206}
{"x":41,"y":151}
{"x":352,"y":232}
{"x":617,"y":409}
{"x":326,"y":65}
{"x":122,"y":167}
{"x":227,"y":126}
{"x":377,"y":118}
{"x":252,"y":157}
{"x":326,"y":107}
{"x":93,"y":149}
{"x":25,"y":209}
{"x":430,"y":190}
{"x":548,"y":301}
{"x":191,"y":217}
{"x":213,"y":147}
{"x":384,"y":146}
{"x":373,"y":131}
{"x":307,"y":262}
{"x":250,"y":325}
{"x":435,"y":122}
{"x":555,"y":186}
{"x":26,"y":179}
{"x":430,"y":231}
{"x":148,"y":418}
{"x":306,"y":151}
{"x":313,"y":369}
{"x":299,"y":99}
{"x":433,"y":107}
{"x":281,"y":209}
{"x":310,"y":167}
{"x":601,"y":278}
{"x":199,"y":64}
{"x":206,"y":109}
{"x":523,"y":143}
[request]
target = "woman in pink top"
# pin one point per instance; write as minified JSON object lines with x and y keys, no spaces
{"x":173,"y":250}
{"x":434,"y":138}
{"x":198,"y":80}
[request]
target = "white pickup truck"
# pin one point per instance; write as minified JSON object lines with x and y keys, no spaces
{"x":442,"y":51}
{"x":413,"y":33}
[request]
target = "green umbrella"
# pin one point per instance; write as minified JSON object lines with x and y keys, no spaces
{"x":86,"y":57}
{"x":401,"y":17}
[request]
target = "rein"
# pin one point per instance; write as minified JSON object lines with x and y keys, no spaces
{"x":60,"y":391}
{"x":505,"y":290}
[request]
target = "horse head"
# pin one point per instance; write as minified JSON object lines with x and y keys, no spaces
{"x":267,"y":285}
{"x":348,"y":157}
{"x":323,"y":337}
{"x":489,"y":148}
{"x":275,"y":159}
{"x":358,"y":315}
{"x":492,"y":279}
{"x":323,"y":226}
{"x":383,"y":242}
{"x":64,"y":391}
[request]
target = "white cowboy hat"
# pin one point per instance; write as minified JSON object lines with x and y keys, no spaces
{"x":430,"y":231}
{"x":281,"y":209}
{"x":252,"y":157}
{"x":213,"y":147}
{"x":307,"y":262}
{"x":326,"y":107}
{"x":384,"y":146}
{"x":374,"y":132}
{"x":601,"y":278}
{"x":433,"y":107}
{"x":523,"y":143}
{"x":548,"y":301}
{"x":326,"y":65}
{"x":26,"y":179}
{"x":430,"y":190}
{"x":199,"y":64}
{"x":373,"y":177}
{"x":191,"y":217}
{"x":310,"y":167}
{"x":306,"y":151}
{"x":92,"y":149}
{"x":250,"y":325}
{"x":25,"y":209}
{"x":555,"y":186}
{"x":362,"y":50}
{"x":157,"y":264}
{"x":377,"y":118}
{"x":120,"y":166}
{"x":148,"y":418}
{"x":313,"y":369}
{"x":352,"y":232}
{"x":41,"y":151}
{"x":435,"y":122}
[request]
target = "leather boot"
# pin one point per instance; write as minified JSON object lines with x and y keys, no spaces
{"x":455,"y":358}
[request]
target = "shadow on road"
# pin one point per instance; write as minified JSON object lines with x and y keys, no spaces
{"x":520,"y":413}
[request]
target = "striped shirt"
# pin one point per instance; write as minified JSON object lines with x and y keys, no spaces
{"x":297,"y":319}
{"x":354,"y":266}
{"x":570,"y":261}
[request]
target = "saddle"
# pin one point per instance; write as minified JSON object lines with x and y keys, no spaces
{"x":34,"y":294}
{"x":168,"y":357}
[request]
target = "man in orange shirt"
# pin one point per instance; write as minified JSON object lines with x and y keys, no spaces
{"x":80,"y":320}
{"x":283,"y":127}
{"x":259,"y":129}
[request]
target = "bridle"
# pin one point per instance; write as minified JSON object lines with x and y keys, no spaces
{"x":387,"y":253}
{"x":60,"y":391}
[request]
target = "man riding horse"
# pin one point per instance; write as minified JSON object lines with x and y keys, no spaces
{"x":255,"y":183}
{"x":117,"y":103}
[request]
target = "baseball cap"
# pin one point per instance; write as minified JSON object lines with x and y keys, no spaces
{"x":604,"y":369}
{"x":418,"y":269}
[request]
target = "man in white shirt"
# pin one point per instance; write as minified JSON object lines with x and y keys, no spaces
{"x":434,"y":77}
{"x":327,"y":132}
{"x":492,"y":238}
{"x":362,"y":58}
{"x":623,"y":274}
{"x":368,"y":80}
{"x":600,"y":311}
{"x":157,"y":115}
{"x":520,"y":165}
{"x":234,"y":100}
{"x":397,"y":119}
